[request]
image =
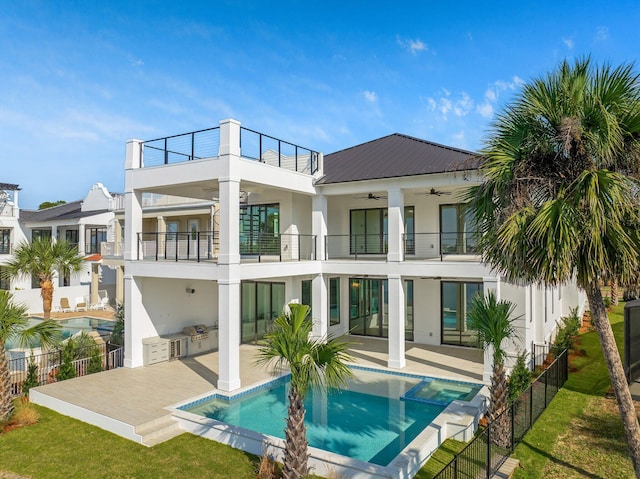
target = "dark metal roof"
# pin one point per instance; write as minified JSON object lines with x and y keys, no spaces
{"x":9,"y":186}
{"x":394,"y":156}
{"x":61,"y":212}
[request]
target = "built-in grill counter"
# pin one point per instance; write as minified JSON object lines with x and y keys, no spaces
{"x":193,"y":340}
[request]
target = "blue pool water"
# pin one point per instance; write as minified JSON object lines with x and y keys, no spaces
{"x":370,"y":420}
{"x":72,"y":326}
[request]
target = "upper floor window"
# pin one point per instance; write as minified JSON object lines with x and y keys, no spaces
{"x":457,"y":229}
{"x":369,"y":230}
{"x":37,"y":234}
{"x":5,"y":241}
{"x":95,"y":237}
{"x":5,"y":282}
{"x":71,"y":236}
{"x":260,"y":229}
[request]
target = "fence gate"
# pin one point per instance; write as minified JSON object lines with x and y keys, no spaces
{"x":632,"y":340}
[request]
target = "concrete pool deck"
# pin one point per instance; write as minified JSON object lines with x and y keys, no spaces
{"x":133,"y":402}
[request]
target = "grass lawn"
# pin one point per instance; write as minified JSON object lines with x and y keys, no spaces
{"x":579,"y":435}
{"x":61,"y":447}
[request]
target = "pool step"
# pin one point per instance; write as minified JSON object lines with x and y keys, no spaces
{"x":158,"y":430}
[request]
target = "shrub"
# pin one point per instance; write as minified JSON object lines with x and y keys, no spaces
{"x":95,"y":361}
{"x":25,"y":415}
{"x":67,"y":369}
{"x":567,"y":332}
{"x":117,"y":335}
{"x":520,"y":377}
{"x":607,"y":302}
{"x":31,"y":381}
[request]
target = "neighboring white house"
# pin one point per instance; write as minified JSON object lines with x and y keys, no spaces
{"x":374,"y":237}
{"x":82,"y":223}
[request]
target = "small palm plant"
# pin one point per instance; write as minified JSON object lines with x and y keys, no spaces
{"x":320,"y":362}
{"x":493,"y":322}
{"x":43,"y":259}
{"x":15,"y":324}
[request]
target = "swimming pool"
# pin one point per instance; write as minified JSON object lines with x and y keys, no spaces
{"x":371,"y":420}
{"x":70,"y":327}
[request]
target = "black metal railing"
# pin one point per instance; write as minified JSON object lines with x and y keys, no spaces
{"x":49,"y":363}
{"x":195,"y":145}
{"x":91,"y":247}
{"x":277,"y":247}
{"x":178,"y":246}
{"x":491,"y":447}
{"x":437,"y":245}
{"x":358,"y":245}
{"x":275,"y":152}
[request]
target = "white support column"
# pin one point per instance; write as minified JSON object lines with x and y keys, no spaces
{"x":120,"y":284}
{"x":320,"y":306}
{"x":95,"y":276}
{"x":491,"y":284}
{"x":396,"y":322}
{"x":133,"y":334}
{"x":132,"y":202}
{"x":319,"y":224}
{"x":395,"y":224}
{"x":81,"y":238}
{"x":229,"y":335}
{"x":229,"y":258}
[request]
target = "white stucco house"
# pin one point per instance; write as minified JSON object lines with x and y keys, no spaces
{"x":374,"y":237}
{"x":82,"y":223}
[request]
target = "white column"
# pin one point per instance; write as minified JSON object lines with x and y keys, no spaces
{"x":319,"y":224}
{"x":229,"y":334}
{"x":395,"y":224}
{"x":93,"y":292}
{"x":120,"y":284}
{"x":81,"y":238}
{"x":396,"y":322}
{"x":320,"y":306}
{"x":229,"y":258}
{"x":132,"y":202}
{"x":133,"y":334}
{"x":491,"y":284}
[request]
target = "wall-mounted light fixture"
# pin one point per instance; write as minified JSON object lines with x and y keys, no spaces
{"x":190,"y":290}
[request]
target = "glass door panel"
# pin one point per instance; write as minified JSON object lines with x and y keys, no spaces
{"x":264,"y":309}
{"x":448,"y":229}
{"x":248,"y":306}
{"x":277,"y":300}
{"x":373,"y":231}
{"x":357,"y":243}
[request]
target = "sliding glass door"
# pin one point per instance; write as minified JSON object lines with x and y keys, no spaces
{"x":455,"y":300}
{"x":457,"y":230}
{"x":261,"y":303}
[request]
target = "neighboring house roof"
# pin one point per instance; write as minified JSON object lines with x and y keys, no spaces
{"x":9,"y":186}
{"x":394,"y":156}
{"x":61,"y":212}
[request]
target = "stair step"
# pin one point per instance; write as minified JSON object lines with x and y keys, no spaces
{"x":158,"y":430}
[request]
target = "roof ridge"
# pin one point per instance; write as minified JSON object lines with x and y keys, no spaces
{"x":440,"y":145}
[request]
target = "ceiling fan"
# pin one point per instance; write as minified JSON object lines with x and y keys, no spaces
{"x":435,"y":192}
{"x":371,"y":196}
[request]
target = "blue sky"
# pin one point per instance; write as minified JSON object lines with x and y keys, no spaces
{"x":80,"y":78}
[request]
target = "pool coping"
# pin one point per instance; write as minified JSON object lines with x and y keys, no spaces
{"x":458,"y":420}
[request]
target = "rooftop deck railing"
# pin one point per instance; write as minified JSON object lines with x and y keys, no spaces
{"x":369,"y":246}
{"x":263,"y":247}
{"x":254,"y":145}
{"x":275,"y":152}
{"x":111,"y":249}
{"x":439,"y":245}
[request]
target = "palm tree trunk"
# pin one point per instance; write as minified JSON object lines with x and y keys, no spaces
{"x":295,"y":450}
{"x":6,"y":400}
{"x":614,"y":291}
{"x":616,"y":372}
{"x":46,"y":292}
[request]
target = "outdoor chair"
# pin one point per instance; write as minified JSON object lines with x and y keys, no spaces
{"x":81,"y":304}
{"x":102,"y":304}
{"x":65,"y":307}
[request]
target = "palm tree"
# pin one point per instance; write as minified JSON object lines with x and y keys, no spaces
{"x":560,"y":199}
{"x":42,"y":259}
{"x":493,"y":322}
{"x":15,"y":324}
{"x":313,"y":363}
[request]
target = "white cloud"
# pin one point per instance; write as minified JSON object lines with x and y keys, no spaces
{"x":602,"y":34}
{"x":485,"y":109}
{"x":370,"y":96}
{"x":413,"y":46}
{"x":568,"y":42}
{"x":463,"y":106}
{"x":490,"y":95}
{"x":459,"y":137}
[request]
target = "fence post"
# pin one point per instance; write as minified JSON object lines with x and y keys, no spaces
{"x":545,"y":387}
{"x":513,"y":425}
{"x":530,"y":406}
{"x":455,"y":467}
{"x":489,"y":451}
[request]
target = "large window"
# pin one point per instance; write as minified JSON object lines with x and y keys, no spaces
{"x":457,"y":230}
{"x":260,"y":229}
{"x":95,"y":237}
{"x":40,"y":234}
{"x":369,"y":307}
{"x":306,"y":296}
{"x":369,"y":230}
{"x":71,"y":236}
{"x":334,"y":301}
{"x":261,"y":303}
{"x":455,"y":300}
{"x":5,"y":241}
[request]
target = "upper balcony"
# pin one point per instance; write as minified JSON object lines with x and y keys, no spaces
{"x":205,"y":144}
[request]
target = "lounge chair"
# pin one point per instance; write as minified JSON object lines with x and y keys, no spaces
{"x":65,"y":307}
{"x":81,"y":304}
{"x":102,"y":304}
